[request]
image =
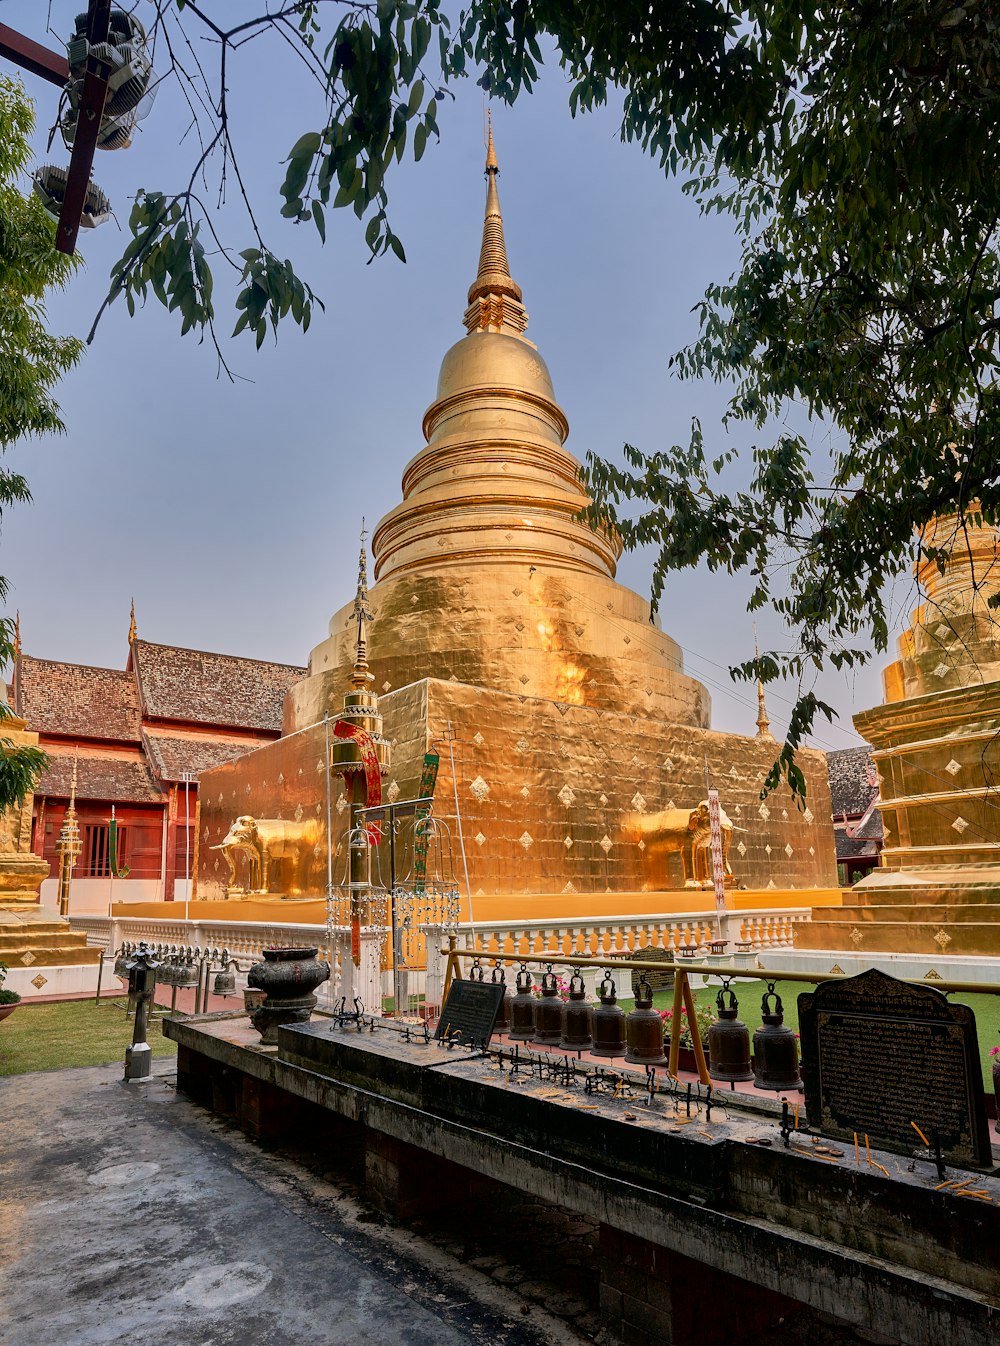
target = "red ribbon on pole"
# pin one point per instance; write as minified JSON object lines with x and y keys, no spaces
{"x":370,"y":764}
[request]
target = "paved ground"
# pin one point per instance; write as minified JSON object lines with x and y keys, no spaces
{"x":127,"y":1212}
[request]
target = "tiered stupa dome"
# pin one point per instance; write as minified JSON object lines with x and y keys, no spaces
{"x":485,"y":573}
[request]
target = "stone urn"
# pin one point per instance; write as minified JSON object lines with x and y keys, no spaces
{"x":289,"y":977}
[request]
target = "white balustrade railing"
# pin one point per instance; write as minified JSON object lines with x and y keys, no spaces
{"x":244,"y":940}
{"x":745,"y":932}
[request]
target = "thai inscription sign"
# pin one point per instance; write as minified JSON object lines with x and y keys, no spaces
{"x":880,"y":1054}
{"x":470,"y":1012}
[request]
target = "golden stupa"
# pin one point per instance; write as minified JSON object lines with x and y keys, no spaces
{"x":570,"y":738}
{"x":936,"y":747}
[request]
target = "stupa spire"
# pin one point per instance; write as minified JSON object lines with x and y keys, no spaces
{"x":363,"y":615}
{"x":494,"y":296}
{"x":763,"y":723}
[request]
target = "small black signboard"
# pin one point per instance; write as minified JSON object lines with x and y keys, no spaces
{"x":880,"y":1054}
{"x":470,"y":1012}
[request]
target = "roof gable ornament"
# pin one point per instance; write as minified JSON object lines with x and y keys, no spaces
{"x":132,"y":633}
{"x":494,"y":296}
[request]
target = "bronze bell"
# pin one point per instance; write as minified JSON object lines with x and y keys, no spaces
{"x":120,"y":962}
{"x":775,"y":1050}
{"x":188,"y":973}
{"x":577,"y":1018}
{"x":549,"y":1010}
{"x":503,"y":1013}
{"x":609,"y":1021}
{"x":522,"y":1008}
{"x":225,"y":981}
{"x":729,"y":1042}
{"x":644,"y":1029}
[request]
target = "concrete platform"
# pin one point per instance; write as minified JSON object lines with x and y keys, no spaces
{"x":127,"y":1216}
{"x":709,"y":1215}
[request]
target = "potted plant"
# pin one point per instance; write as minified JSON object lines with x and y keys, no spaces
{"x":9,"y":1000}
{"x":705,"y":1017}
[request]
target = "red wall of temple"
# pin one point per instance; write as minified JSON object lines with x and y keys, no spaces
{"x":140,"y":831}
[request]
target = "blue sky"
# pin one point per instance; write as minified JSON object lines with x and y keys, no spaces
{"x":231,"y":510}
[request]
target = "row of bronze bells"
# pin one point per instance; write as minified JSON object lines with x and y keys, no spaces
{"x":775,"y":1062}
{"x":608,"y":1031}
{"x":575,"y":1026}
{"x":181,"y":967}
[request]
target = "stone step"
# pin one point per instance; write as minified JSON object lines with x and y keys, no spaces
{"x":46,"y":956}
{"x":908,"y":937}
{"x":983,"y":912}
{"x":27,"y":939}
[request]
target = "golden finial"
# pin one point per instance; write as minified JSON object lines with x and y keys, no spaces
{"x":131,"y":626}
{"x":362,"y":611}
{"x":17,"y":634}
{"x":491,"y":155}
{"x":494,"y":297}
{"x":763,"y":723}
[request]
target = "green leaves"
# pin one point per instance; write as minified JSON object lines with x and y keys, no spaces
{"x":166,"y":256}
{"x":270,"y":291}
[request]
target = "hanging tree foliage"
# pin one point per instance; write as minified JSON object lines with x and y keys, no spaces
{"x":32,"y":363}
{"x":853,"y":145}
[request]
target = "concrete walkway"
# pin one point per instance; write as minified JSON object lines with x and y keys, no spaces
{"x":129,"y":1214}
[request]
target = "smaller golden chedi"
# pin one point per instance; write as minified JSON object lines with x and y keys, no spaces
{"x":21,"y":871}
{"x":937,"y":751}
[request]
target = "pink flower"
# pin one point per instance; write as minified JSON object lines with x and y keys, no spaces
{"x":995,"y":1051}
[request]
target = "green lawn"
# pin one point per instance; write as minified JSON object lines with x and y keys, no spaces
{"x":986,"y":1008}
{"x":69,"y":1033}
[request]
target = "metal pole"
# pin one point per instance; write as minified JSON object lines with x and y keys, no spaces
{"x":461,"y":838}
{"x":396,"y":980}
{"x":331,"y":989}
{"x":92,"y":100}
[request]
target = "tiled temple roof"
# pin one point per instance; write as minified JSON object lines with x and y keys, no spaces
{"x":851,"y":775}
{"x":117,"y":777}
{"x":217,"y":689}
{"x":77,"y":701}
{"x":172,"y":754}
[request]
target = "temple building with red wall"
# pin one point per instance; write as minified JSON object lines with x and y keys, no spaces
{"x":139,"y":738}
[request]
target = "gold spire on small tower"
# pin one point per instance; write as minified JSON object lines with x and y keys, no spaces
{"x":763,"y":723}
{"x":131,"y":626}
{"x":494,"y":296}
{"x":68,"y":847}
{"x":363,"y":615}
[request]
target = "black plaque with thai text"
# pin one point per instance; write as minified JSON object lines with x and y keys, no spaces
{"x":470,"y":1012}
{"x":880,"y":1055}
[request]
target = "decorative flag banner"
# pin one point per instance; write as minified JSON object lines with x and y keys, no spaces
{"x":117,"y":873}
{"x":718,"y":864}
{"x":372,"y":770}
{"x":373,"y":782}
{"x":421,"y":834}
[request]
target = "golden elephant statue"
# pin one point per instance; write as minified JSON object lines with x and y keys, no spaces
{"x":265,"y":841}
{"x":684,"y":832}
